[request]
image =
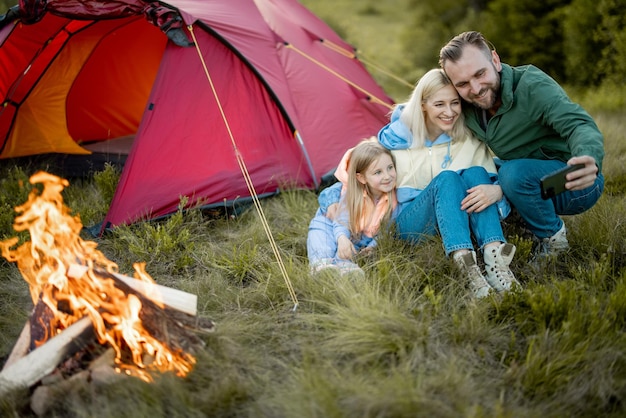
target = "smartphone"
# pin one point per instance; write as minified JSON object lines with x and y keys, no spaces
{"x":554,"y":183}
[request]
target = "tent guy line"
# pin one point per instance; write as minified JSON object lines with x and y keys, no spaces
{"x":370,"y":96}
{"x":246,"y":176}
{"x":331,"y":45}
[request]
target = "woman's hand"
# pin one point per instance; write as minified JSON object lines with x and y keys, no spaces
{"x":481,"y":197}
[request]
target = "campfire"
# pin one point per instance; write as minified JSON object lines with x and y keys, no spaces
{"x":84,"y":309}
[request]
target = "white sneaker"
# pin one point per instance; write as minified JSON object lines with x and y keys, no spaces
{"x":349,"y":268}
{"x":467,"y":264}
{"x":497,"y":260}
{"x":553,"y":246}
{"x":324,"y":264}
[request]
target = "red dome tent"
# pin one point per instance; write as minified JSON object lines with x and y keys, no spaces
{"x":192,"y":85}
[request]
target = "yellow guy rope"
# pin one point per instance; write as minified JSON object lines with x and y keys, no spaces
{"x":246,"y":176}
{"x":350,"y":54}
{"x":370,"y":95}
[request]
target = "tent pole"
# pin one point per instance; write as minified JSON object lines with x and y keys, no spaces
{"x":306,"y":156}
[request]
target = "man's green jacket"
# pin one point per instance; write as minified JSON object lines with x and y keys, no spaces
{"x":536,"y":120}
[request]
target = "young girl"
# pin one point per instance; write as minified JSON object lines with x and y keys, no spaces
{"x":368,"y":175}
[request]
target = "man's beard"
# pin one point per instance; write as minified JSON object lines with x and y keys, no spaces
{"x":487,"y":101}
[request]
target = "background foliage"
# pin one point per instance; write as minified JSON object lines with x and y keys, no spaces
{"x":578,"y":42}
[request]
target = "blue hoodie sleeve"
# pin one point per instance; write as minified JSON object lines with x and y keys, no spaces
{"x":328,"y":196}
{"x":395,"y":134}
{"x":340,"y":224}
{"x":503,"y":205}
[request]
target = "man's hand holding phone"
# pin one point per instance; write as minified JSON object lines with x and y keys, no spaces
{"x":580,"y":173}
{"x":586,"y":176}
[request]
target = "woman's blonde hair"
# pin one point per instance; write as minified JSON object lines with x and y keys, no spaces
{"x":358,"y":199}
{"x":413,"y":115}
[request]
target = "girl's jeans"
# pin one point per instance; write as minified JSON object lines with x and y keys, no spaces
{"x":438,"y":209}
{"x":321,"y":243}
{"x":520,"y":182}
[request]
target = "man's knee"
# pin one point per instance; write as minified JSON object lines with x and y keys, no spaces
{"x":510,"y":176}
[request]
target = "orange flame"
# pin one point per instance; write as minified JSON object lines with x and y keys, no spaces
{"x":44,"y":262}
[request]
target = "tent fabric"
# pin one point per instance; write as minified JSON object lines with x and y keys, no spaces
{"x":259,"y":82}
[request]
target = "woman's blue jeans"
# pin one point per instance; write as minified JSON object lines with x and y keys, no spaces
{"x":520,"y":182}
{"x":437,"y":209}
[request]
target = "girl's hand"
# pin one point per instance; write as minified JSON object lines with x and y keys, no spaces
{"x":481,"y":197}
{"x":345,"y":248}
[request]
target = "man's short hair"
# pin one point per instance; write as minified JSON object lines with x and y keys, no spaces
{"x":453,"y":50}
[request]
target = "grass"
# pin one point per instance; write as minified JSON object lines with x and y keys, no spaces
{"x":403,"y":341}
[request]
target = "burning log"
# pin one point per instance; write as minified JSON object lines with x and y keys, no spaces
{"x":79,"y":298}
{"x":28,"y":364}
{"x":177,"y":299}
{"x":168,"y":325}
{"x":34,"y":366}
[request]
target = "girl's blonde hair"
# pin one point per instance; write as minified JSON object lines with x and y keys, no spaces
{"x":359,"y":201}
{"x":413,"y":115}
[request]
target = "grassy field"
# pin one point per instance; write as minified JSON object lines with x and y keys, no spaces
{"x":403,"y":341}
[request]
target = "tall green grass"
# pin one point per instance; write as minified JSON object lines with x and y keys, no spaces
{"x":405,"y":340}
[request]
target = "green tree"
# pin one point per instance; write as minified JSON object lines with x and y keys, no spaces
{"x":435,"y":22}
{"x":611,"y":35}
{"x":595,"y":42}
{"x":528,"y":32}
{"x":583,"y":49}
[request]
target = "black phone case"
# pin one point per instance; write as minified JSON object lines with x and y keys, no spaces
{"x":554,"y":183}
